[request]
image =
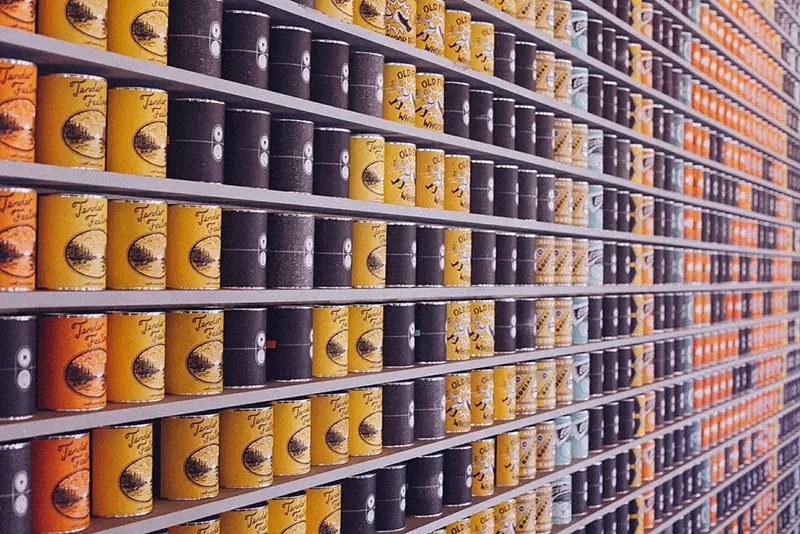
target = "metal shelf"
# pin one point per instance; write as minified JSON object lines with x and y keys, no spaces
{"x":785,"y":504}
{"x":47,"y":423}
{"x":167,"y":513}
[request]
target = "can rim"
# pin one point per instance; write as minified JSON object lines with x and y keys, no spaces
{"x":66,"y":436}
{"x":430,"y":378}
{"x":289,"y":27}
{"x":213,"y":310}
{"x":529,"y":170}
{"x":13,"y":446}
{"x":17,"y":189}
{"x":395,"y":466}
{"x":483,"y":161}
{"x":430,"y":150}
{"x":82,"y":315}
{"x":290,"y":214}
{"x":400,"y":223}
{"x":372,"y":388}
{"x":75,"y":74}
{"x":137,"y":88}
{"x":548,"y":52}
{"x":244,"y":210}
{"x":204,"y":521}
{"x":17,"y":317}
{"x":73,"y":195}
{"x":405,"y":303}
{"x":457,"y":11}
{"x":206,"y":100}
{"x":366,"y":136}
{"x":246,"y":12}
{"x":292,"y":401}
{"x":528,"y":43}
{"x":268,"y":407}
{"x":248,"y":309}
{"x":434,"y":74}
{"x":192,"y":416}
{"x":334,"y":218}
{"x":480,"y":91}
{"x":18,"y":61}
{"x":332,"y":41}
{"x":545,"y":113}
{"x":435,"y":226}
{"x":402,"y":382}
{"x":328,"y":394}
{"x":137,"y":201}
{"x":331,"y":129}
{"x":130,"y":312}
{"x":402,"y":143}
{"x":293,"y":120}
{"x":506,"y":166}
{"x":248,"y":110}
{"x":194,"y":206}
{"x":439,"y":454}
{"x":257,"y":506}
{"x":456,"y":83}
{"x":364,"y":475}
{"x":505,"y":33}
{"x":503,"y":99}
{"x":365,"y":53}
{"x":525,"y":106}
{"x":398,"y":63}
{"x":126,"y":425}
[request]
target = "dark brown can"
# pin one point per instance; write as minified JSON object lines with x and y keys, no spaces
{"x":456,"y":108}
{"x":481,"y":122}
{"x":331,"y":162}
{"x":292,"y":155}
{"x":481,"y":189}
{"x":244,"y":351}
{"x":366,"y":83}
{"x":330,"y":78}
{"x":243,"y":249}
{"x":245,"y":49}
{"x":289,"y":343}
{"x":196,"y":139}
{"x":290,"y":251}
{"x":195,"y":36}
{"x":18,"y":367}
{"x":247,"y":147}
{"x":290,"y":64}
{"x":333,"y":251}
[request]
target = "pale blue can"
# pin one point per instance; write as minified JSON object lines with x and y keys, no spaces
{"x":594,"y":261}
{"x":677,"y":176}
{"x":686,"y":91}
{"x":695,"y":439}
{"x":563,"y":440}
{"x":580,"y":433}
{"x":595,"y":200}
{"x":580,"y":320}
{"x":594,"y":158}
{"x":562,"y":500}
{"x":580,"y":377}
{"x":580,"y":30}
{"x":686,"y":353}
{"x":579,"y":86}
{"x":688,"y":400}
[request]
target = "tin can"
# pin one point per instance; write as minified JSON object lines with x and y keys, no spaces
{"x":580,"y":375}
{"x":457,"y":170}
{"x":482,"y":47}
{"x":527,"y":388}
{"x":330,"y":79}
{"x":291,"y":155}
{"x":481,"y":397}
{"x":358,"y":503}
{"x":504,"y":381}
{"x":331,"y":167}
{"x":562,"y":24}
{"x":290,"y":253}
{"x":507,"y":459}
{"x":137,"y":231}
{"x":136,"y":372}
{"x":290,"y":64}
{"x":292,"y":437}
{"x":563,"y":260}
{"x":398,"y":414}
{"x":562,"y":82}
{"x":195,"y":149}
{"x":18,"y":96}
{"x":367,"y":155}
{"x":73,"y":376}
{"x":430,"y":26}
{"x":562,"y":143}
{"x":194,"y":352}
{"x":425,"y":485}
{"x":365,"y":338}
{"x":482,"y":328}
{"x":189,"y":457}
{"x":243,"y":249}
{"x":545,"y":60}
{"x":137,"y":131}
{"x":580,"y":203}
{"x":563,"y":322}
{"x":16,"y":475}
{"x":329,"y":443}
{"x":244,"y":350}
{"x":457,"y":36}
{"x":580,"y":148}
{"x":18,"y":235}
{"x":369,"y":254}
{"x":247,"y":520}
{"x":366,"y":421}
{"x":289,"y":343}
{"x":330,"y":325}
{"x":546,"y":446}
{"x":288,"y":514}
{"x":563,"y":381}
{"x":429,"y":408}
{"x":399,"y":92}
{"x":483,"y":463}
{"x":481,"y":522}
{"x":579,"y":30}
{"x":194,"y":247}
{"x":122,"y":470}
{"x":563,"y":201}
{"x":545,"y":260}
{"x":72,"y":253}
{"x":456,"y":108}
{"x":546,"y":322}
{"x":400,"y":173}
{"x":324,"y":508}
{"x":18,"y":366}
{"x":60,"y":496}
{"x":83,"y":24}
{"x":246,"y":445}
{"x":366,"y":83}
{"x":430,"y":183}
{"x":390,"y":498}
{"x":430,"y":255}
{"x":545,"y":16}
{"x":459,"y":402}
{"x":245,"y":49}
{"x":458,"y":331}
{"x":563,"y":445}
{"x":194,"y":39}
{"x":333,"y":251}
{"x":546,"y":384}
{"x":457,"y":259}
{"x":544,"y":508}
{"x":209,"y":525}
{"x":525,"y":513}
{"x":430,"y":101}
{"x":527,"y":452}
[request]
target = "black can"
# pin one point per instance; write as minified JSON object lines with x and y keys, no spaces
{"x":610,"y":100}
{"x":544,"y":134}
{"x":430,"y":342}
{"x":546,"y":198}
{"x":290,"y":61}
{"x":506,"y":191}
{"x":390,"y":498}
{"x":292,"y":155}
{"x":289,"y":343}
{"x":596,"y":94}
{"x":594,"y":38}
{"x":610,"y":370}
{"x":245,"y":49}
{"x":503,"y":122}
{"x":16,"y":478}
{"x":195,"y":36}
{"x":609,"y":478}
{"x":333,"y":251}
{"x":18,"y":367}
{"x":331,"y":167}
{"x":525,"y":119}
{"x":525,"y":75}
{"x":526,"y":260}
{"x":425,"y":478}
{"x":247,"y":147}
{"x":528,"y":191}
{"x":594,"y":486}
{"x":506,"y":273}
{"x":624,"y":364}
{"x":623,"y":211}
{"x":621,"y":61}
{"x":190,"y":156}
{"x":505,"y":320}
{"x":401,"y":255}
{"x":621,"y":461}
{"x":526,"y":324}
{"x":610,"y":46}
{"x":624,"y":316}
{"x":358,"y":503}
{"x":244,"y":350}
{"x":429,"y":407}
{"x":290,"y":250}
{"x":580,"y":486}
{"x":430,"y":255}
{"x":366,"y":83}
{"x":243,"y":250}
{"x":330,"y":78}
{"x":595,"y":318}
{"x":398,"y":409}
{"x":481,"y":110}
{"x":458,"y":475}
{"x":610,"y":423}
{"x":398,"y":334}
{"x":481,"y":188}
{"x":609,"y":154}
{"x":456,"y":109}
{"x":623,"y":117}
{"x":484,"y":258}
{"x":505,"y":44}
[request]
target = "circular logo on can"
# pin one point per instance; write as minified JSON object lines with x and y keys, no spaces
{"x":149,"y":31}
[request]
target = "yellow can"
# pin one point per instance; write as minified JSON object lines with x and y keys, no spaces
{"x":527,"y":452}
{"x":369,"y":254}
{"x":482,"y":467}
{"x":288,"y":514}
{"x":482,"y":326}
{"x":370,"y":14}
{"x":482,"y":397}
{"x":580,"y":206}
{"x":430,"y":101}
{"x":245,"y":447}
{"x":72,"y":242}
{"x":544,"y":509}
{"x":458,"y":36}
{"x":190,"y":457}
{"x":562,"y":142}
{"x":458,"y":403}
{"x":330,"y":431}
{"x":430,"y":26}
{"x":482,"y":47}
{"x":399,"y":92}
{"x":505,"y":517}
{"x":563,"y":322}
{"x":330,"y":328}
{"x":18,"y":97}
{"x":137,"y":131}
{"x":563,"y":261}
{"x":122,"y":470}
{"x":546,"y":384}
{"x":193,"y":248}
{"x":81,"y":22}
{"x":194,"y":352}
{"x":564,"y":380}
{"x":292,"y":437}
{"x":546,"y":446}
{"x":135,"y":373}
{"x":545,"y":65}
{"x":459,"y":345}
{"x":482,"y":522}
{"x":365,"y":338}
{"x":137,"y":252}
{"x":430,"y":178}
{"x":526,"y":388}
{"x":247,"y":520}
{"x":505,"y":392}
{"x":366,"y":421}
{"x":507,"y":459}
{"x":580,"y":269}
{"x":71,"y":119}
{"x":367,"y":154}
{"x":545,"y":17}
{"x":460,"y":526}
{"x":401,"y":19}
{"x":324,"y":514}
{"x":526,"y":513}
{"x":580,"y":148}
{"x":545,"y":260}
{"x":457,"y":257}
{"x":563,"y":200}
{"x":526,"y":12}
{"x":562,"y":20}
{"x":457,"y":172}
{"x":209,"y":525}
{"x":563,"y":81}
{"x":400,"y":185}
{"x":545,"y":323}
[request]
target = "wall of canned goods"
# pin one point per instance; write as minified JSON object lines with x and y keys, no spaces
{"x":418,"y":266}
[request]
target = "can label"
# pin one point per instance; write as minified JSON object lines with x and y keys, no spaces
{"x":430,"y":26}
{"x":137,"y":131}
{"x":545,"y":261}
{"x":324,"y":509}
{"x":526,"y":513}
{"x":562,"y":501}
{"x":580,"y":376}
{"x":194,"y":250}
{"x":507,"y":459}
{"x":365,"y":338}
{"x":563,"y":447}
{"x":138,"y":343}
{"x":482,"y":522}
{"x":580,"y":204}
{"x":246,"y":443}
{"x":482,"y":327}
{"x":288,"y":514}
{"x":429,"y":99}
{"x":340,"y":9}
{"x":366,"y":421}
{"x":580,"y":148}
{"x":369,"y":254}
{"x":330,"y":432}
{"x":546,"y":446}
{"x":458,"y":403}
{"x":594,"y":157}
{"x":562,"y":147}
{"x":562,"y":14}
{"x":122,"y":471}
{"x":648,"y":461}
{"x":194,"y":352}
{"x":580,"y":434}
{"x":505,"y":394}
{"x":482,"y":47}
{"x":20,"y":15}
{"x":564,"y":384}
{"x":401,"y":21}
{"x":594,"y":263}
{"x":430,"y":178}
{"x":458,"y":331}
{"x":457,"y":36}
{"x":330,"y":325}
{"x":401,"y":170}
{"x":526,"y":388}
{"x":563,"y":260}
{"x":579,"y":262}
{"x":190,"y":457}
{"x":462,"y":526}
{"x":482,"y":397}
{"x":563,"y":322}
{"x":545,"y":61}
{"x":18,"y":105}
{"x":545,"y":323}
{"x":457,"y":257}
{"x":545,"y":16}
{"x":18,"y":236}
{"x":457,"y":171}
{"x":546,"y":384}
{"x":561,"y":83}
{"x":579,"y":89}
{"x":399,"y":92}
{"x":563,"y":201}
{"x":483,"y":467}
{"x":544,"y":508}
{"x":250,"y":520}
{"x":527,"y":452}
{"x":367,"y":156}
{"x":137,"y":257}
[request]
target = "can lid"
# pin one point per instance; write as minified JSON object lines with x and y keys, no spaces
{"x":503,"y":99}
{"x":400,"y":64}
{"x":246,"y":12}
{"x":247,"y":110}
{"x":516,"y":167}
{"x":73,"y":75}
{"x":366,"y":136}
{"x":480,"y":91}
{"x":526,"y":43}
{"x":548,"y":113}
{"x":331,"y":129}
{"x":72,"y":195}
{"x":525,"y":106}
{"x":81,"y":315}
{"x":133,"y":313}
{"x":330,"y":41}
{"x":17,"y":61}
{"x":437,"y":150}
{"x":483,"y":161}
{"x":504,"y":33}
{"x":243,"y":210}
{"x":13,"y":446}
{"x":136,"y":88}
{"x":293,"y":120}
{"x":458,"y":11}
{"x":67,"y":436}
{"x":203,"y":100}
{"x":448,"y":82}
{"x":364,"y":53}
{"x":136,"y":201}
{"x":17,"y":317}
{"x":295,"y":28}
{"x":456,"y":156}
{"x":194,"y":206}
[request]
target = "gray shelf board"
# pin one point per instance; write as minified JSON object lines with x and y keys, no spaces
{"x":110,"y":299}
{"x":47,"y":423}
{"x":57,"y":55}
{"x":166,"y":513}
{"x":52,"y":178}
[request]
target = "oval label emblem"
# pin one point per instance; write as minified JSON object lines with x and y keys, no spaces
{"x":18,"y":251}
{"x":148,"y":255}
{"x":148,"y":367}
{"x":150,"y":143}
{"x":204,"y":362}
{"x":299,"y":445}
{"x":370,"y":345}
{"x":204,"y":256}
{"x":88,"y":17}
{"x":85,"y":374}
{"x":85,"y":133}
{"x":371,"y":429}
{"x":86,"y":253}
{"x":136,"y":480}
{"x":149,"y":30}
{"x":336,"y":436}
{"x":16,"y":124}
{"x":336,"y":348}
{"x":70,"y":497}
{"x":257,"y":456}
{"x":202,"y":466}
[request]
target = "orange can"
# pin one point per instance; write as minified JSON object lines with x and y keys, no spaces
{"x":60,"y":494}
{"x":18,"y":238}
{"x":18,"y":107}
{"x":73,"y":375}
{"x":20,"y":15}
